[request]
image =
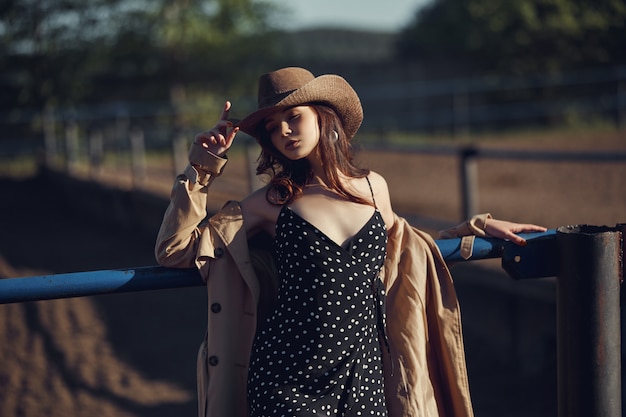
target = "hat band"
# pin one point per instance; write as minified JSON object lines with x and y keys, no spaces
{"x":275,"y":99}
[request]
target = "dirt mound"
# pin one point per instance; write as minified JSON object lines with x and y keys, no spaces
{"x":113,"y":355}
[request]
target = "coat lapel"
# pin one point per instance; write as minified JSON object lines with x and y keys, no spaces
{"x":228,"y":224}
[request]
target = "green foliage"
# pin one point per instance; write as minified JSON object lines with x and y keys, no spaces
{"x":519,"y":36}
{"x":76,"y":51}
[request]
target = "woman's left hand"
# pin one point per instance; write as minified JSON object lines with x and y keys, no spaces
{"x":503,"y":229}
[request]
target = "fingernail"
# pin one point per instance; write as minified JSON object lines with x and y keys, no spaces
{"x":523,"y":243}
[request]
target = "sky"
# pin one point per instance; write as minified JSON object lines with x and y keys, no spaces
{"x":376,"y":15}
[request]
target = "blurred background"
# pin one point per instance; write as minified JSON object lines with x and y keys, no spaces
{"x":520,"y":105}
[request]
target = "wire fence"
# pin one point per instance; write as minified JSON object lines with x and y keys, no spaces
{"x":120,"y":136}
{"x":456,"y":106}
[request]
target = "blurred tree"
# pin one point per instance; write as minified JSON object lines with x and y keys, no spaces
{"x":218,"y":46}
{"x":518,"y":36}
{"x":48,"y":43}
{"x":64,"y":52}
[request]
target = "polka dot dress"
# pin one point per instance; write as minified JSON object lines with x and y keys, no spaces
{"x":318,"y":354}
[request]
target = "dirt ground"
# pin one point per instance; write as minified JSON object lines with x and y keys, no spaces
{"x":134,"y":354}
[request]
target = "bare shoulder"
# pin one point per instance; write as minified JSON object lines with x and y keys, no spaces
{"x":381,"y":194}
{"x":258,"y":213}
{"x":379,"y":183}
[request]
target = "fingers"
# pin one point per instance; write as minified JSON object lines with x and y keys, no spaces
{"x":510,"y":235}
{"x":226,"y":110}
{"x":524,"y":228}
{"x":508,"y":230}
{"x":219,"y":135}
{"x":528,"y":228}
{"x":518,"y":240}
{"x":228,"y":140}
{"x":219,"y":138}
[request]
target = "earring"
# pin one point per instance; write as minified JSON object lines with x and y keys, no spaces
{"x":335,"y":136}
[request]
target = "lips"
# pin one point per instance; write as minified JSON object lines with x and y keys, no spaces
{"x":291,"y":145}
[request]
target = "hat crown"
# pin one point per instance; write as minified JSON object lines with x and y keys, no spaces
{"x":294,"y":86}
{"x":276,"y":85}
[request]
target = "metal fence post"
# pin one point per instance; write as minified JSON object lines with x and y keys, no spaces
{"x":588,"y":320}
{"x":469,"y":181}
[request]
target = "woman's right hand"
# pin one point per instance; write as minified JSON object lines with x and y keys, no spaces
{"x":220,"y":138}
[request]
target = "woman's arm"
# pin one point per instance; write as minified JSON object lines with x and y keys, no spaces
{"x":485,"y":225}
{"x":176,"y":244}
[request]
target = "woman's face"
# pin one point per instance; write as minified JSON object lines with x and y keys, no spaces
{"x":294,"y":132}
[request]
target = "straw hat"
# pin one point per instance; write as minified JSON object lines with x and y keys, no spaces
{"x":288,"y":87}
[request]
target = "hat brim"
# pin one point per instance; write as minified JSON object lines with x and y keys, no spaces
{"x":329,"y":89}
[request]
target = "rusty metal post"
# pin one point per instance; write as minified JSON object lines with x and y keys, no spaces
{"x":588,"y":319}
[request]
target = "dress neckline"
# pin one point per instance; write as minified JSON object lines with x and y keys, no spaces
{"x":348,"y":241}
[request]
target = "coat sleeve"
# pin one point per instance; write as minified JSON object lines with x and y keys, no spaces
{"x":467,"y":231}
{"x":179,"y":234}
{"x":425,"y":374}
{"x":474,"y":226}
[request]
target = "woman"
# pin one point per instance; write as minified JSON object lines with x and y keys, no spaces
{"x":296,"y":324}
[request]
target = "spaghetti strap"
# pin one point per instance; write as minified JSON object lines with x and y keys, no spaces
{"x":371,"y":190}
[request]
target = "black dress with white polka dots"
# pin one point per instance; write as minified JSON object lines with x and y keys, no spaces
{"x":319,"y":351}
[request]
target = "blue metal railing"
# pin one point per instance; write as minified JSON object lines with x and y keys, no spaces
{"x":586,"y":260}
{"x":518,"y":261}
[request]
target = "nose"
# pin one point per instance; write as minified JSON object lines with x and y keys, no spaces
{"x":285,"y":129}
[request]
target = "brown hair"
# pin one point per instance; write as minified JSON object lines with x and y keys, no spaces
{"x":288,"y":178}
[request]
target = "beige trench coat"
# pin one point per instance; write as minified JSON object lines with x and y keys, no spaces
{"x":428,"y":376}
